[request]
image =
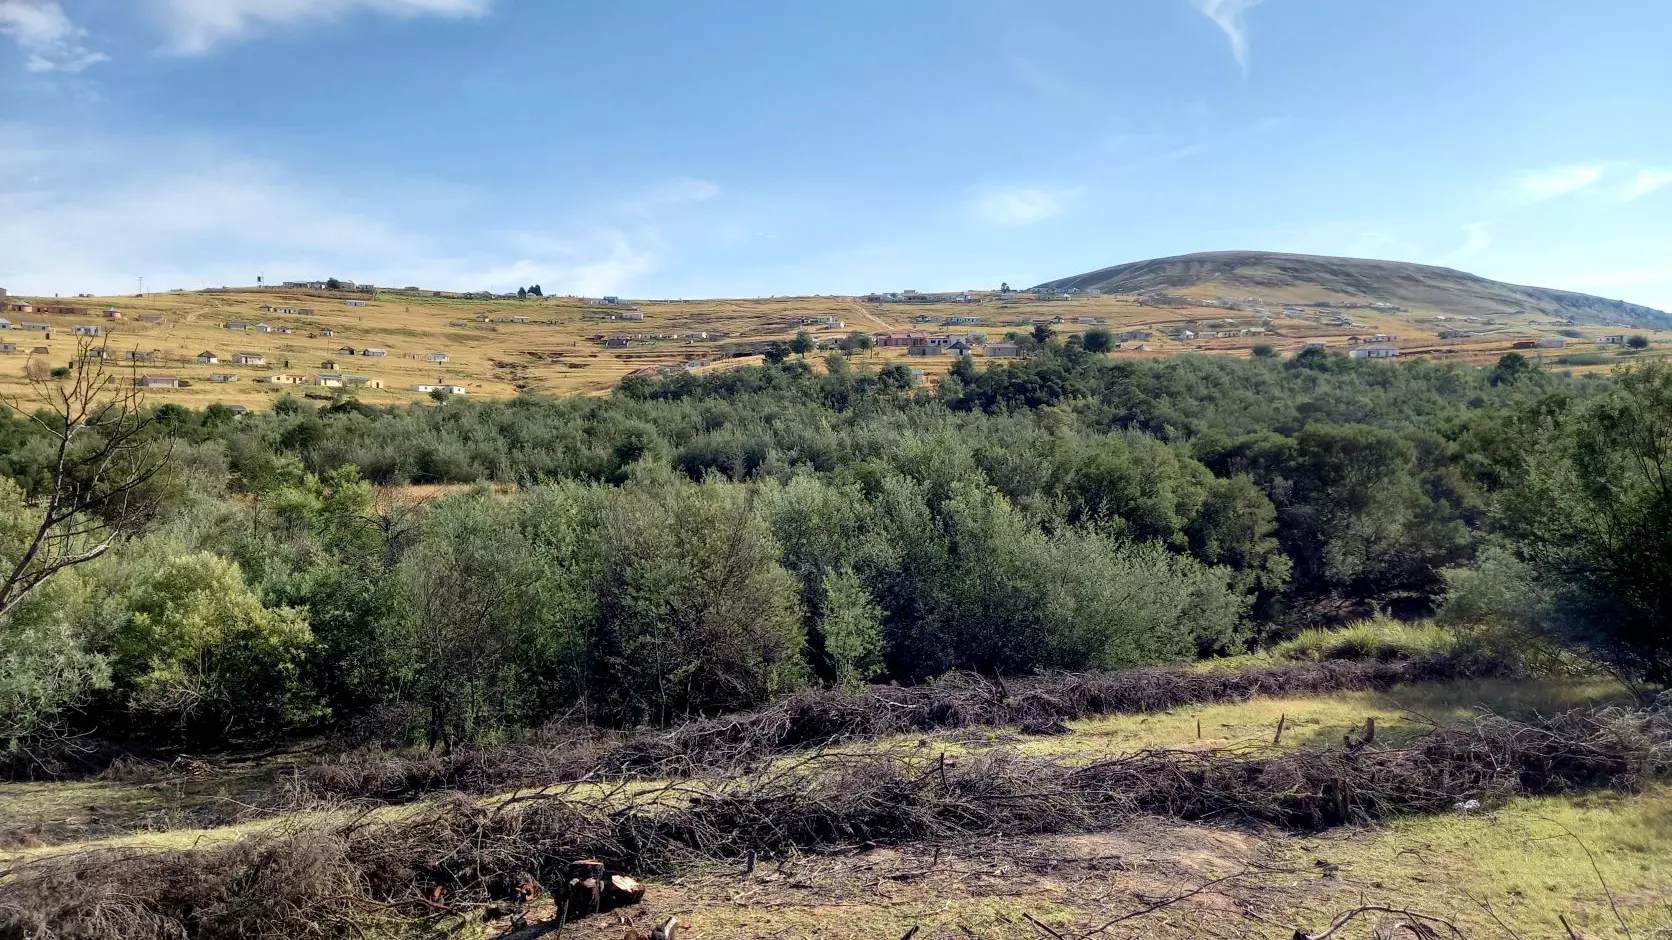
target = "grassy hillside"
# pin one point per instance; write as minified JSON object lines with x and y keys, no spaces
{"x":559,"y":349}
{"x":1277,"y":277}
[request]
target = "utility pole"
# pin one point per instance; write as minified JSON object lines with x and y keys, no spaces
{"x":142,"y":287}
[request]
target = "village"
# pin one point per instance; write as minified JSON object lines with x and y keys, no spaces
{"x":328,"y":339}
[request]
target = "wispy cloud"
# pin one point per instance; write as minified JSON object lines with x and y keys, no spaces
{"x":1646,"y":181}
{"x":94,"y":213}
{"x":48,"y":39}
{"x":1477,"y":237}
{"x":678,"y":192}
{"x":1017,"y":206}
{"x":195,"y":26}
{"x":1609,"y":181}
{"x":1555,"y":182}
{"x":1228,"y":16}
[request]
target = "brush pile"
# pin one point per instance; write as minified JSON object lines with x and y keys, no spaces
{"x":458,"y":857}
{"x":823,"y":718}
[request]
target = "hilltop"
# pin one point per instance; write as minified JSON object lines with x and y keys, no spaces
{"x":1312,"y":278}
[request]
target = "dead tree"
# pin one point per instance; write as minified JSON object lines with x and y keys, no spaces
{"x":103,"y":456}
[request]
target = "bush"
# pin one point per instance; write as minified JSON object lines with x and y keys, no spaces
{"x":1380,"y":639}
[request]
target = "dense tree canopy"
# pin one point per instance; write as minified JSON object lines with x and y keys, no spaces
{"x":705,"y":542}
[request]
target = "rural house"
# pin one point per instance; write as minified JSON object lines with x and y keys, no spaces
{"x":436,"y":356}
{"x":1001,"y":350}
{"x":87,"y":329}
{"x":41,"y":351}
{"x":449,"y":389}
{"x":5,"y":324}
{"x":111,"y":313}
{"x":345,"y":350}
{"x":236,"y":325}
{"x":208,"y":358}
{"x":355,"y":303}
{"x":151,"y":318}
{"x":1615,"y":338}
{"x":159,"y":381}
{"x":1551,"y":342}
{"x":281,"y":379}
{"x":374,"y":351}
{"x":35,"y":326}
{"x":327,"y":331}
{"x":144,"y":355}
{"x":223,"y":377}
{"x":250,"y":358}
{"x":8,"y":347}
{"x":1375,"y":352}
{"x":329,"y":365}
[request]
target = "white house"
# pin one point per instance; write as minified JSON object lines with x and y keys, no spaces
{"x":250,"y":358}
{"x":1375,"y":352}
{"x":208,"y":358}
{"x":87,"y":329}
{"x":1615,"y":338}
{"x":436,"y":356}
{"x":1551,"y":342}
{"x":449,"y":389}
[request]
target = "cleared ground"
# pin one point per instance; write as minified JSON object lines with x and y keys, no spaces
{"x":1510,"y":871}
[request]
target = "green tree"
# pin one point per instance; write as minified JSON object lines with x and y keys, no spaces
{"x":522,"y":293}
{"x":201,"y":651}
{"x":1263,"y":351}
{"x":803,"y":343}
{"x":1591,"y":518}
{"x":333,"y":284}
{"x":1637,"y":341}
{"x":1098,"y":340}
{"x":695,"y":612}
{"x":1511,"y":368}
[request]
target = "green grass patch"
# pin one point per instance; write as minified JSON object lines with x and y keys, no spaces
{"x":1532,"y":862}
{"x":1381,"y":639}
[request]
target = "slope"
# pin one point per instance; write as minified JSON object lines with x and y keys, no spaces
{"x":1311,"y":279}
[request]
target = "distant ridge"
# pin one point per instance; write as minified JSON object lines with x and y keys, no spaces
{"x":1301,"y":278}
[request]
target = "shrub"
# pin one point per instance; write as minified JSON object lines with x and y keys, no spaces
{"x":1381,"y":639}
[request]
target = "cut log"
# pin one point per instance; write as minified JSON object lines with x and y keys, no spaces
{"x":666,"y":929}
{"x":621,"y":891}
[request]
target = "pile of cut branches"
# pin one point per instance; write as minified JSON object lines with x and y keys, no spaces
{"x":458,"y":856}
{"x":824,"y":718}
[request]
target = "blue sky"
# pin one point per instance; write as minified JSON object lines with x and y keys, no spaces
{"x":683,"y":148}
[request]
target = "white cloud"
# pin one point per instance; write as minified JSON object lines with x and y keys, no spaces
{"x":49,"y":40}
{"x":1016,"y":206}
{"x":1477,"y":237}
{"x":1553,"y":183}
{"x":195,"y":26}
{"x":1228,"y":16}
{"x":1647,"y":181}
{"x":95,"y":214}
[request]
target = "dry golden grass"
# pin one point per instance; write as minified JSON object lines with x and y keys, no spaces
{"x":496,"y":359}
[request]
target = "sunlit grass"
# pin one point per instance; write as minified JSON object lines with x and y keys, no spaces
{"x":1528,"y":861}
